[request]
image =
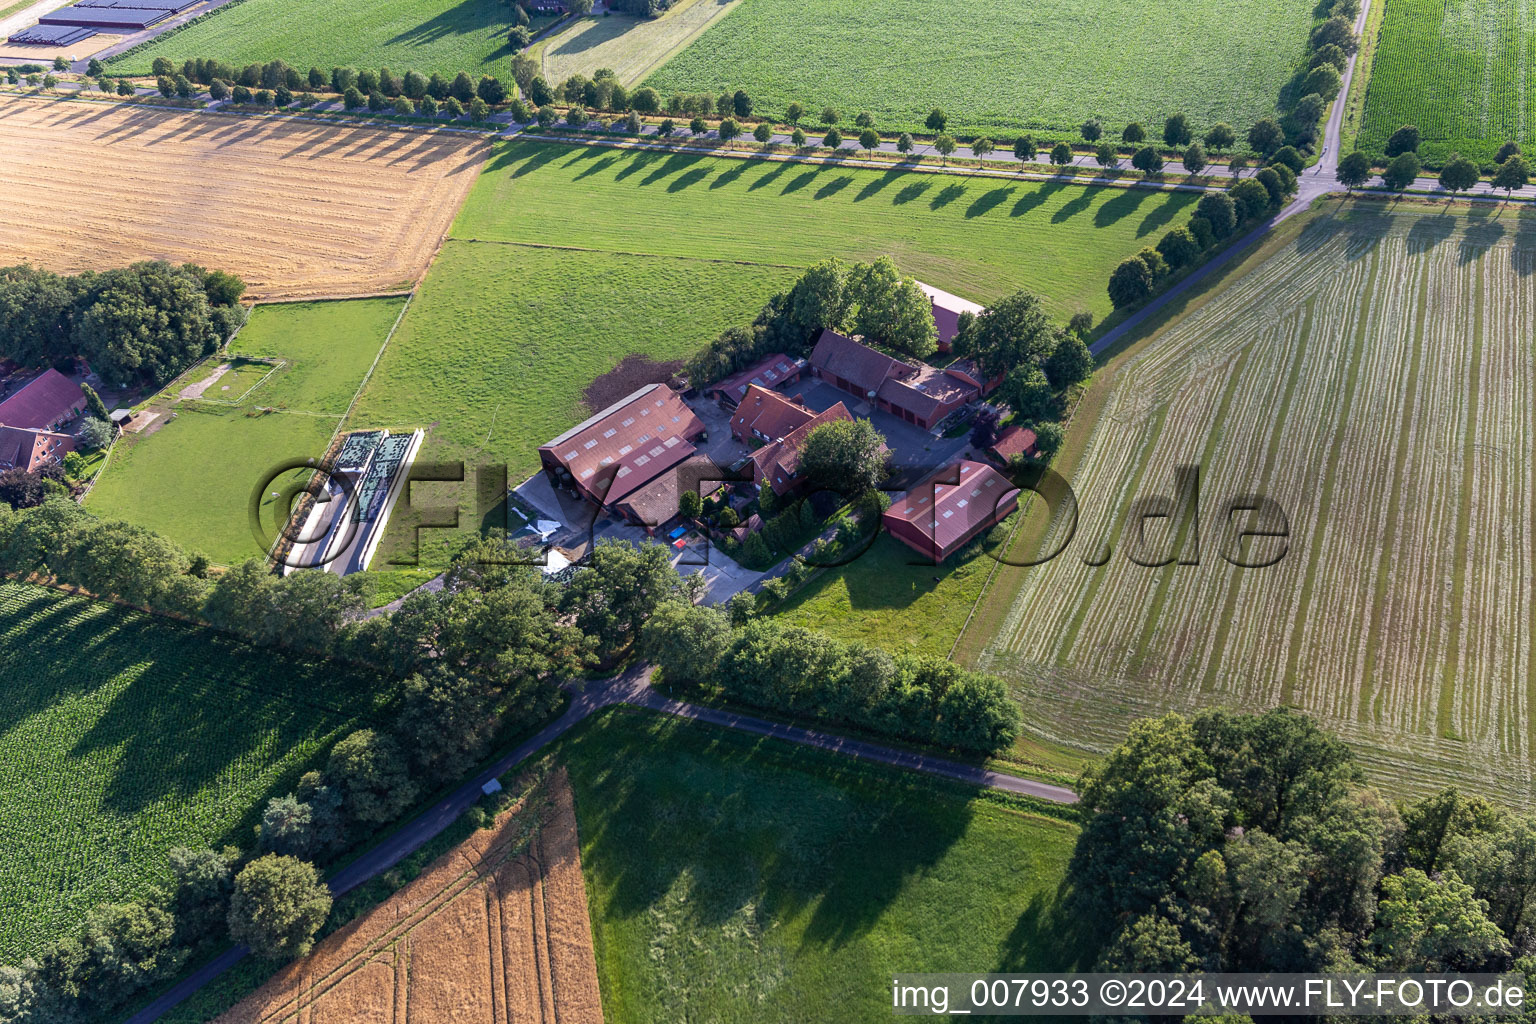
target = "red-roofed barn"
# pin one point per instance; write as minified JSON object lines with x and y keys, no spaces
{"x":31,"y":450}
{"x":46,"y":402}
{"x":951,"y":508}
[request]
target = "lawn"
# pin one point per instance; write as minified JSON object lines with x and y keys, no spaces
{"x":117,"y":743}
{"x":191,"y":479}
{"x":1002,"y":68}
{"x":982,"y":238}
{"x":631,"y":47}
{"x":1463,"y":71}
{"x":734,"y":878}
{"x":501,"y":341}
{"x":1323,"y":373}
{"x":446,"y":36}
{"x":891,"y":598}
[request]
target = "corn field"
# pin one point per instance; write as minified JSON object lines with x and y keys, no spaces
{"x":1463,"y":71}
{"x":1374,"y":379}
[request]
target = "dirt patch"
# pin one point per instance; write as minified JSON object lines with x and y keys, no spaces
{"x":495,"y":931}
{"x":298,"y":209}
{"x":196,"y":390}
{"x":632,"y":374}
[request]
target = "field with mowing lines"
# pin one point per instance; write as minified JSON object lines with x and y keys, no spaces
{"x":424,"y":35}
{"x":297,"y":210}
{"x":631,"y":46}
{"x":1372,"y":377}
{"x":1002,"y":68}
{"x":1463,"y":71}
{"x":191,"y":479}
{"x":982,"y":239}
{"x":733,"y":878}
{"x":117,"y":742}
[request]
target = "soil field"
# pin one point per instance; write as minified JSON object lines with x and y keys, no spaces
{"x":297,"y":210}
{"x":1371,"y":377}
{"x":495,"y":931}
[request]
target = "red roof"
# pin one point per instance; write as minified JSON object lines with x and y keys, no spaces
{"x":32,"y":449}
{"x":45,"y":401}
{"x":928,"y":393}
{"x":767,"y":415}
{"x":779,"y":463}
{"x":768,"y":372}
{"x":863,"y":367}
{"x":946,"y":312}
{"x":949,"y":508}
{"x":1015,"y":440}
{"x":626,"y":444}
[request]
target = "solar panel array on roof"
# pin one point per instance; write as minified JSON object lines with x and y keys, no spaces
{"x":104,"y":17}
{"x":172,"y":6}
{"x":52,"y":35}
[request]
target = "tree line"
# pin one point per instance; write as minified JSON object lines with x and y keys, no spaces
{"x":135,"y":325}
{"x":763,"y":663}
{"x":1237,"y":842}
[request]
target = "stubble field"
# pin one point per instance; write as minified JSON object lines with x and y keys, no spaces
{"x":297,"y":210}
{"x":1373,"y":378}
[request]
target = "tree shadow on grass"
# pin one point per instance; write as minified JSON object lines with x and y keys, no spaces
{"x":462,"y":19}
{"x":688,"y":179}
{"x":1047,"y":938}
{"x":875,"y":184}
{"x":948,"y":194}
{"x":833,"y":187}
{"x":989,"y":201}
{"x":736,"y":170}
{"x":1428,"y":232}
{"x":775,"y":171}
{"x":911,"y":192}
{"x":1523,"y":257}
{"x":524,"y":160}
{"x":597,"y":167}
{"x":1482,"y":233}
{"x":673,"y":164}
{"x":1035,"y":197}
{"x":798,"y":182}
{"x":1074,"y":206}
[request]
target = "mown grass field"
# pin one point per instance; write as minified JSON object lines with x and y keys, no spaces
{"x":732,"y":878}
{"x":425,"y":35}
{"x":982,"y":238}
{"x":123,"y":735}
{"x":1463,"y":71}
{"x":1367,"y":371}
{"x":1002,"y":68}
{"x":191,"y":479}
{"x":632,"y":47}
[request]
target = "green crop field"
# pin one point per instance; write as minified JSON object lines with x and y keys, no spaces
{"x":424,"y":35}
{"x":734,"y":878}
{"x":191,"y":478}
{"x":631,"y":47}
{"x":1463,"y":71}
{"x":1369,"y":373}
{"x":1002,"y":68}
{"x":981,"y":238}
{"x":123,"y":735}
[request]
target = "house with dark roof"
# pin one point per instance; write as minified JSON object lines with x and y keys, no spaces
{"x":777,"y":464}
{"x":610,"y":457}
{"x":946,"y":312}
{"x":770,"y":372}
{"x":949,"y":509}
{"x":920,"y":394}
{"x":764,"y":415}
{"x":46,"y":402}
{"x":31,"y":450}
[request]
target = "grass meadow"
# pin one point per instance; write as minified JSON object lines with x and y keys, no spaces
{"x":116,"y":744}
{"x":632,"y":47}
{"x":191,"y":478}
{"x":1366,"y":371}
{"x":735,"y":878}
{"x":1002,"y":68}
{"x":424,"y":35}
{"x":1464,"y":72}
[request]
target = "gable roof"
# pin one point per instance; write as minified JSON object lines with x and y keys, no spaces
{"x":863,"y":367}
{"x":928,"y":392}
{"x":1015,"y":440}
{"x":44,"y":400}
{"x":21,"y":448}
{"x":953,"y":504}
{"x":767,"y":372}
{"x":779,"y":462}
{"x":627,"y":443}
{"x":946,"y":311}
{"x":768,"y":413}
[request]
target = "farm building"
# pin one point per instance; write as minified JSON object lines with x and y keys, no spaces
{"x":1013,"y":442}
{"x":783,"y":425}
{"x":946,"y":312}
{"x":46,"y":402}
{"x":920,"y":394}
{"x":612,"y":456}
{"x":949,"y":509}
{"x":31,"y":450}
{"x":769,"y":372}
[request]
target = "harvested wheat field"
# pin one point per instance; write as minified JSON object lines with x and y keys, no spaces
{"x":298,"y":209}
{"x":495,"y":931}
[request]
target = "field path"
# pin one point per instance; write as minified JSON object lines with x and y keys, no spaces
{"x":632,"y":687}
